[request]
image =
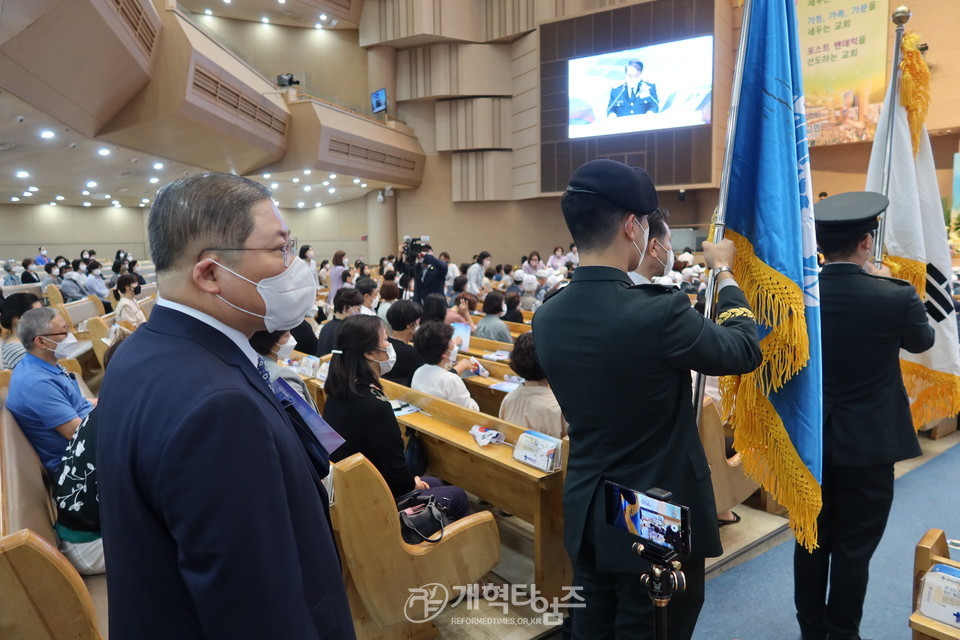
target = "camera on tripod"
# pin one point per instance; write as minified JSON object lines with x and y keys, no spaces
{"x":413,"y":247}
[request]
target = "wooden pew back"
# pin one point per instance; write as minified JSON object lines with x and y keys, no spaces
{"x":53,"y":295}
{"x":100,"y":328}
{"x":44,"y":596}
{"x":76,"y":312}
{"x":516,"y":328}
{"x":33,"y":288}
{"x":147,"y":305}
{"x":25,"y":502}
{"x":480,"y":347}
{"x":932,"y":549}
{"x":147,"y":290}
{"x":730,"y":485}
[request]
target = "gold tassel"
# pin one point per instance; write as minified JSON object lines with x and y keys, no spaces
{"x":935,"y":394}
{"x":913,"y":271}
{"x":914,"y":86}
{"x":768,"y":455}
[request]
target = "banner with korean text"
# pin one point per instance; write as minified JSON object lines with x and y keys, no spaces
{"x":843,"y":49}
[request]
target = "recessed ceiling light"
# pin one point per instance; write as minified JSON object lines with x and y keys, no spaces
{"x":318,"y":26}
{"x":158,"y":165}
{"x":27,"y":194}
{"x":323,"y":16}
{"x":318,"y":204}
{"x":154,"y":180}
{"x":106,"y":196}
{"x":274,"y":185}
{"x":333,"y":176}
{"x":266,"y":176}
{"x":53,"y":204}
{"x":226,"y":1}
{"x":91,"y":184}
{"x":60,"y":197}
{"x":23,"y":174}
{"x":356,"y":181}
{"x":104,"y":151}
{"x":326,"y":183}
{"x":32,"y":189}
{"x":46,"y":134}
{"x":86,"y":204}
{"x":332,"y":190}
{"x":144,"y":200}
{"x":363,"y":184}
{"x":142,"y":205}
{"x":115,"y":202}
{"x":84,"y":193}
{"x":307,"y":172}
{"x":14,"y":199}
{"x":295,"y":180}
{"x":281,"y":1}
{"x":208,"y":12}
{"x":300,"y":205}
{"x":116,"y":205}
{"x":265,"y":20}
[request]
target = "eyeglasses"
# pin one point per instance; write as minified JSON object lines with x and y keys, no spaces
{"x":44,"y":335}
{"x":289,"y":250}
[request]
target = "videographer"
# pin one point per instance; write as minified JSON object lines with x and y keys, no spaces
{"x":618,"y":358}
{"x":431,"y":273}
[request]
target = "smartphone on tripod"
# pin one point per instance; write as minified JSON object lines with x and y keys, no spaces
{"x":660,"y":524}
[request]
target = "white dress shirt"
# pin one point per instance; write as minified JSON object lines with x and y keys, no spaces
{"x":237,"y":337}
{"x":437,"y":381}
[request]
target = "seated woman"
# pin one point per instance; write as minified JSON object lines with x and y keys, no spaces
{"x":491,"y":327}
{"x":532,"y":405}
{"x":463,"y":306}
{"x":12,"y":351}
{"x":434,"y":342}
{"x":274,"y":346}
{"x":434,"y":309}
{"x":512,"y":314}
{"x":134,"y":268}
{"x":404,"y":319}
{"x":29,"y":275}
{"x":389,"y":293}
{"x":346,"y":303}
{"x":96,"y":285}
{"x":357,"y":409}
{"x":52,"y":276}
{"x":128,"y":310}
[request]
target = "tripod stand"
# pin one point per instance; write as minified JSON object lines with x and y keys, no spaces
{"x":664,"y":579}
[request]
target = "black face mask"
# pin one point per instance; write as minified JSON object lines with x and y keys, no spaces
{"x":136,"y":290}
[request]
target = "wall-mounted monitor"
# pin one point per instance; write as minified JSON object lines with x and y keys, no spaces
{"x":378,"y":100}
{"x":660,"y":86}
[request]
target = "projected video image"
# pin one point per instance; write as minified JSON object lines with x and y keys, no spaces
{"x":662,"y":86}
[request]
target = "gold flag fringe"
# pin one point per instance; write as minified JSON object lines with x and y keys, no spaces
{"x":913,"y":271}
{"x":935,"y":394}
{"x":914,"y":86}
{"x":768,"y":455}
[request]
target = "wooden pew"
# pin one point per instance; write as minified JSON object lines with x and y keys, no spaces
{"x":516,"y":329}
{"x":53,"y":295}
{"x":100,"y":328}
{"x":381,"y":569}
{"x":491,"y":474}
{"x":147,"y":305}
{"x":146,"y":291}
{"x":44,"y":597}
{"x":25,"y":503}
{"x":480,"y":347}
{"x":72,"y":365}
{"x":730,"y":485}
{"x":33,"y":288}
{"x":932,"y":549}
{"x":75,"y":313}
{"x":527,"y":316}
{"x":481,"y":389}
{"x":5,"y":375}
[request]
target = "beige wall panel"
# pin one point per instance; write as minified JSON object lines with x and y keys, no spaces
{"x":482,"y":175}
{"x":80,"y":61}
{"x":525,"y":120}
{"x":509,"y":18}
{"x":17,"y":15}
{"x":526,"y":137}
{"x":203,"y":107}
{"x":329,"y":63}
{"x":473,"y":123}
{"x":329,"y":228}
{"x":506,"y":229}
{"x":68,"y":230}
{"x":421,"y":117}
{"x":406,"y":23}
{"x":447,"y":70}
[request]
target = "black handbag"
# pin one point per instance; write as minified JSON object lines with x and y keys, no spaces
{"x":422,"y":518}
{"x":415,"y":453}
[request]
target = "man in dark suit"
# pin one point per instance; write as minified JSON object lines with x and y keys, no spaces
{"x":431,"y":275}
{"x":865,"y":319}
{"x":214,"y":519}
{"x":618,"y":357}
{"x":634,"y":96}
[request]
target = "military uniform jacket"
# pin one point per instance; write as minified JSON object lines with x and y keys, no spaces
{"x":623,"y":103}
{"x":865,"y":321}
{"x":618,"y":358}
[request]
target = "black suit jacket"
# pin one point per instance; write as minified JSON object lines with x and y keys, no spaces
{"x":865,"y":321}
{"x":432,"y":276}
{"x":213,"y":517}
{"x":618,"y":358}
{"x":622,"y":103}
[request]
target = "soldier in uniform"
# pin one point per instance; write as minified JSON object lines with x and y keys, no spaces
{"x":618,"y":358}
{"x":865,"y":319}
{"x":634,"y":95}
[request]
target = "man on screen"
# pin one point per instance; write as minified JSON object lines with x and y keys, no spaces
{"x":634,"y":96}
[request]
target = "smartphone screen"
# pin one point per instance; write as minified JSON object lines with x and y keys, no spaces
{"x":663,"y":524}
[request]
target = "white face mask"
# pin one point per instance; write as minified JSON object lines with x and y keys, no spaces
{"x":55,"y":272}
{"x":346,"y":262}
{"x":64,"y":348}
{"x":668,"y":265}
{"x":61,"y":264}
{"x":97,"y":272}
{"x":44,"y":252}
{"x":310,"y":255}
{"x":287,"y":296}
{"x":84,"y":255}
{"x":646,"y":239}
{"x":83,"y":267}
{"x":387,"y":365}
{"x":18,"y":270}
{"x":32,"y":267}
{"x":286,"y":349}
{"x":375,"y":302}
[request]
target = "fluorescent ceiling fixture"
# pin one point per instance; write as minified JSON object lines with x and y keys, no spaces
{"x":34,"y":189}
{"x":60,"y":198}
{"x":295,"y":180}
{"x":154,"y":180}
{"x":300,"y":205}
{"x":23,"y":174}
{"x":332,"y":190}
{"x":46,"y":134}
{"x":86,"y":204}
{"x":307,"y":172}
{"x":274,"y":185}
{"x":158,"y":165}
{"x":91,"y":184}
{"x":266,"y":176}
{"x":14,"y":199}
{"x":265,"y":20}
{"x":104,"y":152}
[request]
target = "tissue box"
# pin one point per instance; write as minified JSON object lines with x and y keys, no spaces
{"x":940,"y":595}
{"x":309,"y":366}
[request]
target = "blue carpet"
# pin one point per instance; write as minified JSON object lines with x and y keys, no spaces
{"x":754,"y":601}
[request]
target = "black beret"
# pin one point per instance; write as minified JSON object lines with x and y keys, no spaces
{"x":849,"y":210}
{"x":629,"y":188}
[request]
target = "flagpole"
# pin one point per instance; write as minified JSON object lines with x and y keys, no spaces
{"x":900,"y":17}
{"x":719,"y":222}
